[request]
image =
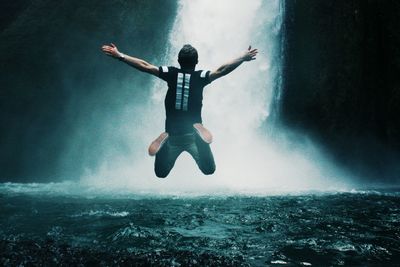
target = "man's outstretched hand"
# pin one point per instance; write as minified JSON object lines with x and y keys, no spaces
{"x":111,"y":50}
{"x":250,"y":54}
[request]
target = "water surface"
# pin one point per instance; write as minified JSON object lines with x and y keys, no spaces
{"x":356,"y":228}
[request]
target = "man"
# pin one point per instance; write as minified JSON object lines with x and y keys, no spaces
{"x":183,"y":126}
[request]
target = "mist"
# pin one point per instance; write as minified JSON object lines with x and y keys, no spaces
{"x":236,"y":109}
{"x":73,"y":114}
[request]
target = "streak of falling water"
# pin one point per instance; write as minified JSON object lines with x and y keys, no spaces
{"x":234,"y":107}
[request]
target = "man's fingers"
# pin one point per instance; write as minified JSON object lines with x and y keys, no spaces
{"x":249,"y":47}
{"x":106,"y":47}
{"x":107,"y":51}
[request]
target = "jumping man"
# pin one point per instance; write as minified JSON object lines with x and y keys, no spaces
{"x":183,"y":125}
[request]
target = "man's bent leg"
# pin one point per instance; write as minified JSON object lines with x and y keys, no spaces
{"x":201,"y":152}
{"x":165,"y":159}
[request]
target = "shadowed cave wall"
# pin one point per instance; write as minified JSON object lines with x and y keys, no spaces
{"x":342,"y":82}
{"x":57,"y":86}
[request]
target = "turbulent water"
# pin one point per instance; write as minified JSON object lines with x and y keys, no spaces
{"x":43,"y":225}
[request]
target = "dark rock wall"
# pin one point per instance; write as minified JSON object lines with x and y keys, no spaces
{"x":342,"y":80}
{"x":54,"y":78}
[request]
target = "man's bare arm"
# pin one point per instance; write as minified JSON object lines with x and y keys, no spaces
{"x":249,"y":55}
{"x":137,"y":63}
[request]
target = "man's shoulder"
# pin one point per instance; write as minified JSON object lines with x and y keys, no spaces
{"x":171,"y":69}
{"x":167,"y":69}
{"x":167,"y":73}
{"x":203,"y":73}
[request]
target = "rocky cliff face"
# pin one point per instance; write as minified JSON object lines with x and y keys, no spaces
{"x":57,"y":85}
{"x":342,"y":82}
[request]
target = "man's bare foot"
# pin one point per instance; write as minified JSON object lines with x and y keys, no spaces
{"x":156,"y":145}
{"x":203,"y":133}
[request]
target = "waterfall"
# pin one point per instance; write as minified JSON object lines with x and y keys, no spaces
{"x":280,"y":57}
{"x":235,"y":107}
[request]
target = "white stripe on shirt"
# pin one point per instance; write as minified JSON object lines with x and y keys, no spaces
{"x":179,"y":87}
{"x":186,"y":92}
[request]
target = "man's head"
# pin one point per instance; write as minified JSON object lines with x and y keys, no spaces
{"x":188,"y":57}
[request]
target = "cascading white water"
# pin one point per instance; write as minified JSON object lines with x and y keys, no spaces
{"x":234,"y":107}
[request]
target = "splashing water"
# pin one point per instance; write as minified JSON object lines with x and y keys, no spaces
{"x":234,"y":108}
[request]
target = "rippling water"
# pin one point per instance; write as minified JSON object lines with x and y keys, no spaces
{"x":42,"y":226}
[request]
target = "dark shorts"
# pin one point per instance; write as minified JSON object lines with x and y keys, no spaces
{"x":175,"y":145}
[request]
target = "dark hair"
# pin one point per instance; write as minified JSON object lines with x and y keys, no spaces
{"x":188,"y":57}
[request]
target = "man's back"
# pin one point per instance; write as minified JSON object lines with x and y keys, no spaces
{"x":184,"y":99}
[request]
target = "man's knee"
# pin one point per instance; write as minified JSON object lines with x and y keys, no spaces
{"x":161,"y":168}
{"x":161,"y":173}
{"x":209,"y":170}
